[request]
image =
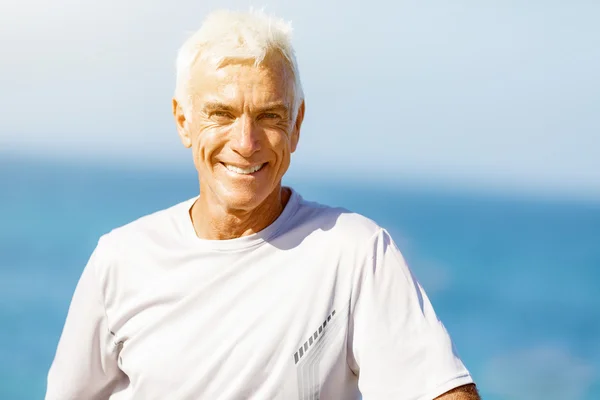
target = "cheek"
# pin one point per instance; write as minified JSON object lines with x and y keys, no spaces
{"x":197,"y":147}
{"x":281,"y":146}
{"x":279,"y":141}
{"x":205,"y":144}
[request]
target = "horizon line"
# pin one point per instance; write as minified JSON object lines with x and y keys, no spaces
{"x":411,"y":182}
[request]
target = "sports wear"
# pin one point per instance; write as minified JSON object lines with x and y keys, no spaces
{"x":318,"y":305}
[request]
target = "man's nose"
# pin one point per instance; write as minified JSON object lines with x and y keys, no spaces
{"x":247,"y":137}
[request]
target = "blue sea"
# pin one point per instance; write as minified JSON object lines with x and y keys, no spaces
{"x":515,"y":280}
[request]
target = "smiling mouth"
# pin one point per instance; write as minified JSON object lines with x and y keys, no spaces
{"x":243,"y":171}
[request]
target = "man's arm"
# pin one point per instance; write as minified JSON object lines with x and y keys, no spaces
{"x":465,"y":392}
{"x":398,"y":347}
{"x":85,"y":363}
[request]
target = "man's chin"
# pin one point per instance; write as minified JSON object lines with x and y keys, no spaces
{"x":240,"y":199}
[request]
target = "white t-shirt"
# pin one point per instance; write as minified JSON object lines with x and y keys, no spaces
{"x":318,"y":305}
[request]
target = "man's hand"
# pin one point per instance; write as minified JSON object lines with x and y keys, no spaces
{"x":466,"y":392}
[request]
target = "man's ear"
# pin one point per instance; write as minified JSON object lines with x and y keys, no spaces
{"x":297,"y":125}
{"x":182,"y":124}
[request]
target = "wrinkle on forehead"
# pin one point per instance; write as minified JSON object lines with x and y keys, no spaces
{"x":235,"y":80}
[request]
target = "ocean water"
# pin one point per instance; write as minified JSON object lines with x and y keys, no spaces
{"x":516,"y":282}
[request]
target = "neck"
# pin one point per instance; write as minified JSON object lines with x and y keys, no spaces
{"x":215,"y":222}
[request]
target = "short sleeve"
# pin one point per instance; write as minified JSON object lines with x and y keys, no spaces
{"x":397,"y":346}
{"x":85,"y":363}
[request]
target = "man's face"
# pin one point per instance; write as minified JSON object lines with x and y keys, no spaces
{"x":242,"y":130}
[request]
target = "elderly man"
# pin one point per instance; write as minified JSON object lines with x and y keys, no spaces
{"x":248,"y":291}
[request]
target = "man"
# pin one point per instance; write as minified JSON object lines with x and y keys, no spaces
{"x":249,"y":291}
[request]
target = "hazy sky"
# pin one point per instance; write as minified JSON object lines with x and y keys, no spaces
{"x":501,"y":93}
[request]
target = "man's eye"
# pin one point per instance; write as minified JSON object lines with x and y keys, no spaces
{"x":221,"y":114}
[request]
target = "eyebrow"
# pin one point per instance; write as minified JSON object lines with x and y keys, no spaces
{"x":219,"y":106}
{"x":278,"y":106}
{"x":216,"y":105}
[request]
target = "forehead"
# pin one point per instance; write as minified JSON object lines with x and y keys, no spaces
{"x":242,"y":81}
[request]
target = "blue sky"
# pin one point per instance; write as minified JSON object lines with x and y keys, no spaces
{"x":501,"y":94}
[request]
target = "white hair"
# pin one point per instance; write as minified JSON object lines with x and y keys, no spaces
{"x":227,"y":36}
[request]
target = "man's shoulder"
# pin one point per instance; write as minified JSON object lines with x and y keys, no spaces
{"x":337,"y":221}
{"x":160,"y":223}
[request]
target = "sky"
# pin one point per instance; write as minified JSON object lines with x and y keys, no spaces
{"x":500,"y":94}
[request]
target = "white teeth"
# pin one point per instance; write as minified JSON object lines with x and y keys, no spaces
{"x":243,"y":171}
